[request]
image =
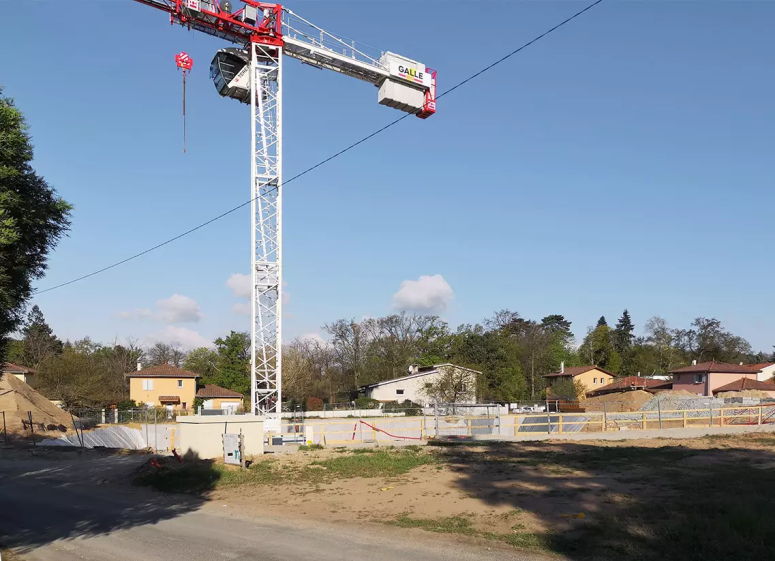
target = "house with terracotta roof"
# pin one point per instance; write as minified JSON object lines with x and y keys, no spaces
{"x":765,"y":371}
{"x":704,"y":378}
{"x":631,"y":383}
{"x":26,"y":375}
{"x":592,"y":377}
{"x":163,"y":386}
{"x":216,"y":397}
{"x":742,"y":384}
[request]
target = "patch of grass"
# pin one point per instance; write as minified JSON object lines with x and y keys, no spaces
{"x":310,"y":447}
{"x":201,"y":477}
{"x":462,"y":525}
{"x":377,"y":463}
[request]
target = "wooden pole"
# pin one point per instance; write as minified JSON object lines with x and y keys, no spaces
{"x":643,"y":421}
{"x":605,"y":417}
{"x":659,"y":412}
{"x":710,"y":408}
{"x":5,"y":431}
{"x":684,"y":412}
{"x":32,"y":429}
{"x":241,"y":450}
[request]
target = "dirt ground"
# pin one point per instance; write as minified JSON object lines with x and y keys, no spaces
{"x":629,"y":497}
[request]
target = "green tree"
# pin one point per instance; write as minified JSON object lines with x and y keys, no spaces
{"x":39,"y":341}
{"x":32,"y":220}
{"x":233,"y":366}
{"x":601,"y":322}
{"x":203,"y":361}
{"x":622,"y":338}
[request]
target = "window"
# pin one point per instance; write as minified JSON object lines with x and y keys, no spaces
{"x":463,"y":387}
{"x":184,"y":405}
{"x":428,"y":385}
{"x":147,"y":385}
{"x":699,"y":378}
{"x":399,"y":392}
{"x":594,"y":381}
{"x":180,"y":383}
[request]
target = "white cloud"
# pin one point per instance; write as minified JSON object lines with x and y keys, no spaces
{"x":187,"y":338}
{"x":429,"y":293}
{"x":179,"y":309}
{"x":175,"y":309}
{"x":316,"y":337}
{"x":239,"y":284}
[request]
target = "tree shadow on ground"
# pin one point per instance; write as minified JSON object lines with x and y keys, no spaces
{"x":639,"y":503}
{"x":49,"y":495}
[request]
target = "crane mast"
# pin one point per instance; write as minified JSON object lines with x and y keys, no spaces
{"x":252,"y":74}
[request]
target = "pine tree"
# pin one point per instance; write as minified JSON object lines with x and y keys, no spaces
{"x":623,"y":333}
{"x":39,"y":341}
{"x":601,"y":321}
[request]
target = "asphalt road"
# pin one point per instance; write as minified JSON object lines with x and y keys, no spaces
{"x":62,"y":509}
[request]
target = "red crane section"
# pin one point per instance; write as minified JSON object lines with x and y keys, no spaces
{"x":256,"y":22}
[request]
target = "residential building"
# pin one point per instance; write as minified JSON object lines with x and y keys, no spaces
{"x":592,"y":377}
{"x":216,"y":397}
{"x":705,"y":377}
{"x":26,"y":375}
{"x":163,"y":386}
{"x":742,"y":384}
{"x":765,"y":371}
{"x":422,"y":382}
{"x":630,"y":383}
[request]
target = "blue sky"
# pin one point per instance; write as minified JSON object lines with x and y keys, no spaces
{"x":624,"y":161}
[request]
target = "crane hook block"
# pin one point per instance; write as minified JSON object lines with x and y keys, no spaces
{"x":184,"y":61}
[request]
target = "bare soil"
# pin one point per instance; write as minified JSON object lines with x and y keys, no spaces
{"x":598,"y":499}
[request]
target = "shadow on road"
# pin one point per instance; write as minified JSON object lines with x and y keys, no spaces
{"x":639,"y":503}
{"x":56,"y":495}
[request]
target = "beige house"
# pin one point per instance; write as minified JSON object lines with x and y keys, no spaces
{"x":765,"y":371}
{"x":216,"y":397}
{"x":26,"y":375}
{"x":163,"y":386}
{"x":593,"y":377}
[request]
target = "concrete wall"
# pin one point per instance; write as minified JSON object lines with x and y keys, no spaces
{"x":201,"y":435}
{"x":28,"y":379}
{"x":163,"y":386}
{"x":414,"y":388}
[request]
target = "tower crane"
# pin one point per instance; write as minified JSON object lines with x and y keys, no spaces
{"x":252,"y":73}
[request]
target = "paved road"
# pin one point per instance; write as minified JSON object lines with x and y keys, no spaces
{"x":56,"y":509}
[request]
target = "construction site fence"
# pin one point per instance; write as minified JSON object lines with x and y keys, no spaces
{"x":90,"y":418}
{"x":390,"y":430}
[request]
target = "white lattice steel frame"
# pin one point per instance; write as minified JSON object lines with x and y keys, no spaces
{"x":266,"y":211}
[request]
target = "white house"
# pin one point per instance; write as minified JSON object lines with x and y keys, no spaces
{"x":420,"y":382}
{"x":764,"y":371}
{"x":26,"y":375}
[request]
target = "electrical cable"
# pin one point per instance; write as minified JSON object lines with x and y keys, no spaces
{"x":325,"y":161}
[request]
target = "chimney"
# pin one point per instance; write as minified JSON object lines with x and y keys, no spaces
{"x":562,"y":367}
{"x":694,"y":362}
{"x":741,"y":363}
{"x":139,"y":366}
{"x":413,"y":368}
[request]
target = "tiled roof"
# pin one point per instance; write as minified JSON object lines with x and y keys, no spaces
{"x":713,"y":366}
{"x":169,"y":398}
{"x":746,"y":384}
{"x":15,"y":369}
{"x":630,"y":382}
{"x":211,"y":390}
{"x":162,"y":371}
{"x":576,"y":370}
{"x":760,"y":366}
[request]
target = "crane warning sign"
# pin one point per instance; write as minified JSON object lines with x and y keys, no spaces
{"x":410,"y":73}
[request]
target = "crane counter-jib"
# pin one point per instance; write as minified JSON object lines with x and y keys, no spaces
{"x":403,"y":83}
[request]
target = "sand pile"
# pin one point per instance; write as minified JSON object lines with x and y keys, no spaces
{"x":17,"y":398}
{"x":745,"y":393}
{"x":618,"y":402}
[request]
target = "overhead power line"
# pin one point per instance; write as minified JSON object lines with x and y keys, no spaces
{"x":332,"y":157}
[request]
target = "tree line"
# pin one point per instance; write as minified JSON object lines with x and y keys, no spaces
{"x":512,"y":353}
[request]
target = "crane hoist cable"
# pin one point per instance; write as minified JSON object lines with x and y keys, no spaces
{"x":184,"y":63}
